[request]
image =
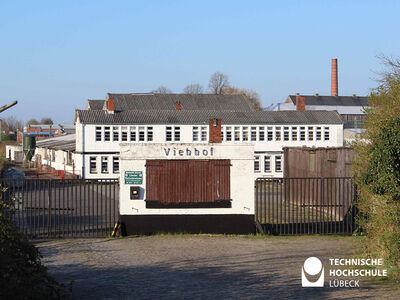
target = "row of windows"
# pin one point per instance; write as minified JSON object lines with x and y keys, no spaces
{"x":229,"y":133}
{"x":104,"y":165}
{"x":264,"y":163}
{"x":275,"y":133}
{"x":124,"y":133}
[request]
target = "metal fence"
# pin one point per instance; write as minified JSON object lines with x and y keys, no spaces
{"x":60,"y":208}
{"x":292,"y":206}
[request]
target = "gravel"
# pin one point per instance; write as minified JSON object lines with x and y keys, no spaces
{"x":200,"y":267}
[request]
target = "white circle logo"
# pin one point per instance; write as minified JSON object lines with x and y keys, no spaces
{"x":312,"y":266}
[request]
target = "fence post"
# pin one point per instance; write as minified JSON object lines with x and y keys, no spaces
{"x":49,"y":208}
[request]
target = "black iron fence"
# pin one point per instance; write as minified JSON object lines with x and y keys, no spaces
{"x":60,"y":208}
{"x":305,"y":205}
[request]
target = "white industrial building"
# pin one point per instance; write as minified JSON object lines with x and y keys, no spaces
{"x":93,"y":151}
{"x":99,"y":132}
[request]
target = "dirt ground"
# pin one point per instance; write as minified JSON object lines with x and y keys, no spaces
{"x":201,"y":267}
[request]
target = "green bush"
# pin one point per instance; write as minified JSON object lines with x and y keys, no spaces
{"x":22,"y":275}
{"x":377,"y":170}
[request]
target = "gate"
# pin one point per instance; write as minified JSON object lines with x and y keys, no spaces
{"x":290,"y":206}
{"x":60,"y":208}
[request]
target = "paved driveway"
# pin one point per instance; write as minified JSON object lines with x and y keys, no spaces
{"x":199,"y":266}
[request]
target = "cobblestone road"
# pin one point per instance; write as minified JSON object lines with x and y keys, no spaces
{"x":193,"y":267}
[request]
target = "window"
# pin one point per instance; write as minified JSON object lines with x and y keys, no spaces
{"x":294,"y":133}
{"x":93,"y":164}
{"x":278,"y":163}
{"x":228,"y":133}
{"x":254,"y":133}
{"x":177,"y":133}
{"x":124,"y":133}
{"x":168,"y":133}
{"x":150,"y":134}
{"x":245,"y":133}
{"x":310,"y":133}
{"x":204,"y":133}
{"x":318,"y":134}
{"x":172,"y":132}
{"x":98,"y":133}
{"x":277,"y":133}
{"x":133,"y":133}
{"x":267,"y":163}
{"x":302,"y":133}
{"x":115,"y":164}
{"x":237,"y":133}
{"x":104,"y":164}
{"x":69,"y":158}
{"x":286,"y":133}
{"x":141,"y":133}
{"x":270,"y":133}
{"x":261,"y":133}
{"x":107,"y":133}
{"x":115,"y":133}
{"x":222,"y":133}
{"x":195,"y":134}
{"x":257,"y":163}
{"x":326,"y":133}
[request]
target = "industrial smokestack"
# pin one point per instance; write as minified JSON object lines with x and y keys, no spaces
{"x":334,"y":78}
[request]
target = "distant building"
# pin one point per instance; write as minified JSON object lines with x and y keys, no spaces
{"x":351,"y":108}
{"x":42,"y":131}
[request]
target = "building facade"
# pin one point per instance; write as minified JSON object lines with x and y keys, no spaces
{"x":99,"y":134}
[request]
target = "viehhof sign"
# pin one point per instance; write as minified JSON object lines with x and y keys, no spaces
{"x":189,"y":152}
{"x":133,"y":177}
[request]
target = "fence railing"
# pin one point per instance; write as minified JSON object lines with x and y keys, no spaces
{"x":58,"y":208}
{"x":305,"y":205}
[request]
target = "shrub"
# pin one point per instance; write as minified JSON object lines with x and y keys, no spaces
{"x":377,"y":170}
{"x":22,"y":275}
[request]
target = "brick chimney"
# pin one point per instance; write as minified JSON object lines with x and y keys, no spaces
{"x":334,"y":78}
{"x":300,"y":102}
{"x":110,"y":105}
{"x":178,"y":105}
{"x":215,"y":131}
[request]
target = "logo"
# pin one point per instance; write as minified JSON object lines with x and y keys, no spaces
{"x":312,"y":267}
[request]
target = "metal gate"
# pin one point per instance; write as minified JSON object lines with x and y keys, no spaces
{"x":59,"y":208}
{"x":292,"y":206}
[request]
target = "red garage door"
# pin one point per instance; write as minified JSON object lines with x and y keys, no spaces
{"x":188,"y":183}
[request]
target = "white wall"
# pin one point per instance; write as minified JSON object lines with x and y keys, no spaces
{"x":14,"y":153}
{"x":133,"y":158}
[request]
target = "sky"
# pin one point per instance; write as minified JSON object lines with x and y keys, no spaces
{"x":57,"y":54}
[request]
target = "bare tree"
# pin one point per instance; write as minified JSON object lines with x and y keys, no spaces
{"x":218,"y":82}
{"x":32,"y":122}
{"x":193,"y":88}
{"x":253,"y":96}
{"x":392,"y":72}
{"x":46,"y":121}
{"x":162,"y":90}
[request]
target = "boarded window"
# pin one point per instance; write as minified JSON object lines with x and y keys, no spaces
{"x":187,"y":183}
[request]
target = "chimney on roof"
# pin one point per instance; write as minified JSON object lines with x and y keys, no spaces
{"x":334,"y":78}
{"x":110,"y":105}
{"x":215,"y":133}
{"x":178,"y":105}
{"x":300,"y":102}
